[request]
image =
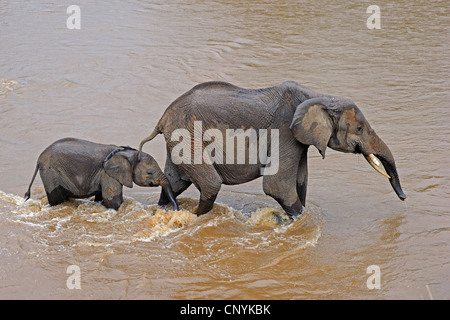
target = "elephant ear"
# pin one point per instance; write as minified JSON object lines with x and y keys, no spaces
{"x":118,"y":166}
{"x":312,"y":124}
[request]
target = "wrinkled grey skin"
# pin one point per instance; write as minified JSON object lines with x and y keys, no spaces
{"x":74,"y":168}
{"x":303,"y":117}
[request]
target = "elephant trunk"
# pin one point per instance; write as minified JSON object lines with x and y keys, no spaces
{"x":379,"y":152}
{"x":165,"y":184}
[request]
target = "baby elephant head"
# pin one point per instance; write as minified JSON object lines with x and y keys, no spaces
{"x":123,"y":165}
{"x":340,"y":125}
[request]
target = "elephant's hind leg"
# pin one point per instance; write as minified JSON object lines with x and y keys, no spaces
{"x":208,"y":181}
{"x":56,"y":193}
{"x":178,"y":187}
{"x":178,"y":181}
{"x":57,"y":196}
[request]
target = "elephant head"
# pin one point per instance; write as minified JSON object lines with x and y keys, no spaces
{"x":123,"y":165}
{"x":340,"y":125}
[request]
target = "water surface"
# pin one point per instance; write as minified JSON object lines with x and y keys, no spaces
{"x":111,"y":81}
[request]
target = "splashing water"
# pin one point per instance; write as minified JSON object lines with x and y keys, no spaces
{"x":93,"y":224}
{"x":8,"y":86}
{"x":149,"y":241}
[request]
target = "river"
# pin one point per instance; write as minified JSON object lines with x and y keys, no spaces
{"x":110,"y":82}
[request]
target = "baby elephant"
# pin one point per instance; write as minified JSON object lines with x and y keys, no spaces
{"x":74,"y":168}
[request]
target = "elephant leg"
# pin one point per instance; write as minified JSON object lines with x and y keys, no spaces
{"x":181,"y":185}
{"x":283,"y":189}
{"x":178,"y":181}
{"x":57,"y":196}
{"x":98,"y":197}
{"x":111,"y":193}
{"x":283,"y":185}
{"x":205,"y":204}
{"x":294,"y":210}
{"x":56,"y":193}
{"x":114,"y":202}
{"x":302,"y":177}
{"x":208,"y":182}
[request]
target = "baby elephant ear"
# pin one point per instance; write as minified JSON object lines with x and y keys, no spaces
{"x":312,"y":124}
{"x":118,"y":167}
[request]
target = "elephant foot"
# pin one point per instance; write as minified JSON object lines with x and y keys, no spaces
{"x":294,"y":216}
{"x":163,"y":200}
{"x":205,"y":206}
{"x":113,"y":203}
{"x":98,"y":197}
{"x":57,"y":196}
{"x":294,"y":211}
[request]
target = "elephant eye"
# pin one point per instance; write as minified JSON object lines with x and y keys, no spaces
{"x":149,"y":172}
{"x":359,"y":128}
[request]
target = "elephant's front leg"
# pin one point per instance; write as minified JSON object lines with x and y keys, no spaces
{"x":282,"y":187}
{"x":302,"y":177}
{"x":111,"y":193}
{"x":57,"y":195}
{"x":98,"y":197}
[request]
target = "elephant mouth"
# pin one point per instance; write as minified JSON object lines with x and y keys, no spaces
{"x":154,"y":182}
{"x":357,"y":149}
{"x":372,"y":160}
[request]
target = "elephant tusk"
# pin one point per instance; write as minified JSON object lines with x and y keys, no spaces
{"x":375,"y":163}
{"x":375,"y":159}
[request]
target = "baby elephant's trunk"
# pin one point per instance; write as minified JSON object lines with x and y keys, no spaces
{"x":165,"y":184}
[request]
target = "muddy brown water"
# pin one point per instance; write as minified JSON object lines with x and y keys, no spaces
{"x":110,"y":82}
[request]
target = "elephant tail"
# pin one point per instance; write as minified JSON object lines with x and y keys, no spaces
{"x":28,"y":193}
{"x":155,"y":132}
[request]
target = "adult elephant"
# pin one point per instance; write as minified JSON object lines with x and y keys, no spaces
{"x":301,"y":117}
